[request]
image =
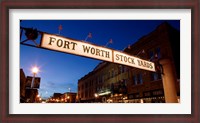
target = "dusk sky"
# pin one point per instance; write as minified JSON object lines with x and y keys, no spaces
{"x":60,"y":71}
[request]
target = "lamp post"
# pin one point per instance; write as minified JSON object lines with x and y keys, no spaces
{"x":35,"y":70}
{"x":33,"y":95}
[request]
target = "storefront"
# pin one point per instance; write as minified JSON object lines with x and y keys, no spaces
{"x":155,"y":96}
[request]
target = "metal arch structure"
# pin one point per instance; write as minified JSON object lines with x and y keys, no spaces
{"x":35,"y":38}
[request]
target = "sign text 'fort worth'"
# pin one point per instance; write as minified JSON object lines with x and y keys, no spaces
{"x":67,"y":45}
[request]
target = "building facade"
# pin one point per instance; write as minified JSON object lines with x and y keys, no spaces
{"x":22,"y":86}
{"x":27,"y":95}
{"x":67,"y":97}
{"x":110,"y":82}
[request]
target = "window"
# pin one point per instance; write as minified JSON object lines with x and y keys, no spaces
{"x":97,"y":80}
{"x":82,"y":95}
{"x":91,"y":93}
{"x":125,"y":82}
{"x":86,"y":85}
{"x":103,"y":78}
{"x":155,"y":76}
{"x":158,"y":53}
{"x":100,"y":78}
{"x":151,"y":55}
{"x":82,"y":86}
{"x":140,"y":78}
{"x":126,"y":69}
{"x":116,"y":72}
{"x":86,"y":94}
{"x":135,"y":80}
{"x":122,"y":69}
{"x":91,"y":82}
{"x":112,"y":73}
{"x":155,"y":53}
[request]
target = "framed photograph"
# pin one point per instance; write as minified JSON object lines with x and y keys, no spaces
{"x":133,"y":82}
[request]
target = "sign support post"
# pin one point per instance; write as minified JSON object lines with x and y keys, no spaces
{"x":169,"y":80}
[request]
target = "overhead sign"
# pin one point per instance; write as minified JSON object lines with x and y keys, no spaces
{"x":28,"y":81}
{"x":72,"y":46}
{"x":36,"y":83}
{"x":125,"y":59}
{"x":67,"y":45}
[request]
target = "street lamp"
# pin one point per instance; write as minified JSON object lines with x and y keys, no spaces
{"x":96,"y":96}
{"x":35,"y":70}
{"x":68,"y":99}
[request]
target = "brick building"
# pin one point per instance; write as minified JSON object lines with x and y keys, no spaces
{"x":27,"y":95}
{"x":22,"y":86}
{"x":110,"y":82}
{"x":67,"y":97}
